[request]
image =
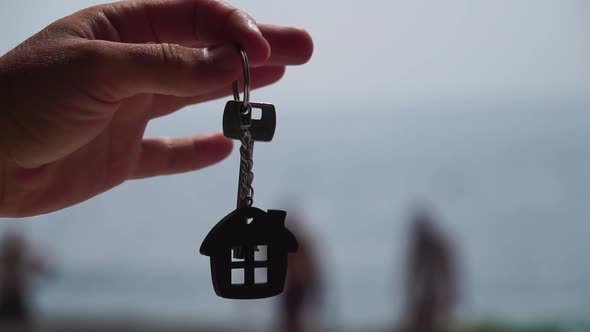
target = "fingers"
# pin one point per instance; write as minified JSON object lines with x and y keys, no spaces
{"x":197,"y":23}
{"x":124,"y":32}
{"x":290,"y":46}
{"x":185,"y":22}
{"x":260,"y":77}
{"x":123,"y":70}
{"x":163,"y":156}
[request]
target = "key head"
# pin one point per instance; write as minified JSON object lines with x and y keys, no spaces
{"x":248,"y":251}
{"x":262,"y":129}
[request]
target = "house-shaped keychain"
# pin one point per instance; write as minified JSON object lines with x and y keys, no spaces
{"x":248,"y":250}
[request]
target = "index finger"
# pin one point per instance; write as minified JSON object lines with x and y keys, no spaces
{"x":184,"y":22}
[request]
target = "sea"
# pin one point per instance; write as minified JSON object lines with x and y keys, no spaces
{"x":508,"y":183}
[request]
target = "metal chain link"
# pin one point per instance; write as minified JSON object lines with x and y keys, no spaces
{"x":246,"y":190}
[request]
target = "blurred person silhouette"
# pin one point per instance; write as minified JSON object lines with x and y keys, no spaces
{"x":431,"y":284}
{"x":19,"y":265}
{"x":303,"y":287}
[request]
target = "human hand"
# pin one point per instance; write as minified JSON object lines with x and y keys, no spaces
{"x":77,"y":96}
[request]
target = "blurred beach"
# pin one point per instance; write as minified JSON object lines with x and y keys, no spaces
{"x":134,"y":326}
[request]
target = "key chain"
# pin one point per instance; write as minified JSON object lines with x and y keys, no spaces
{"x":248,"y":248}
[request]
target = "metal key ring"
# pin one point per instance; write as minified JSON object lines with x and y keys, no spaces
{"x":246,"y":68}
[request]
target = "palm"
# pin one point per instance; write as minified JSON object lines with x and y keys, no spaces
{"x":107,"y":160}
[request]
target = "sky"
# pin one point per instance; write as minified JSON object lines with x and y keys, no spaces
{"x":405,"y":50}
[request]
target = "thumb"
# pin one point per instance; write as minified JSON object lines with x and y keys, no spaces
{"x":130,"y":69}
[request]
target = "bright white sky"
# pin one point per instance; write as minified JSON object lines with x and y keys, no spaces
{"x":414,"y":50}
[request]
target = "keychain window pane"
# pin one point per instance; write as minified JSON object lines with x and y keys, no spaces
{"x":260,"y":275}
{"x":261,"y":253}
{"x":237,"y":276}
{"x":237,"y":254}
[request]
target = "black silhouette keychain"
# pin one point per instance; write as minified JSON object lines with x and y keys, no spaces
{"x":248,"y":248}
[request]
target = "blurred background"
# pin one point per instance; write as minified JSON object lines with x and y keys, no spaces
{"x":442,"y":147}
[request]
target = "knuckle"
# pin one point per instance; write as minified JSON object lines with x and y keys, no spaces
{"x":233,"y":14}
{"x":157,"y":53}
{"x":171,"y":54}
{"x":88,"y":55}
{"x":143,"y":54}
{"x":89,"y":59}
